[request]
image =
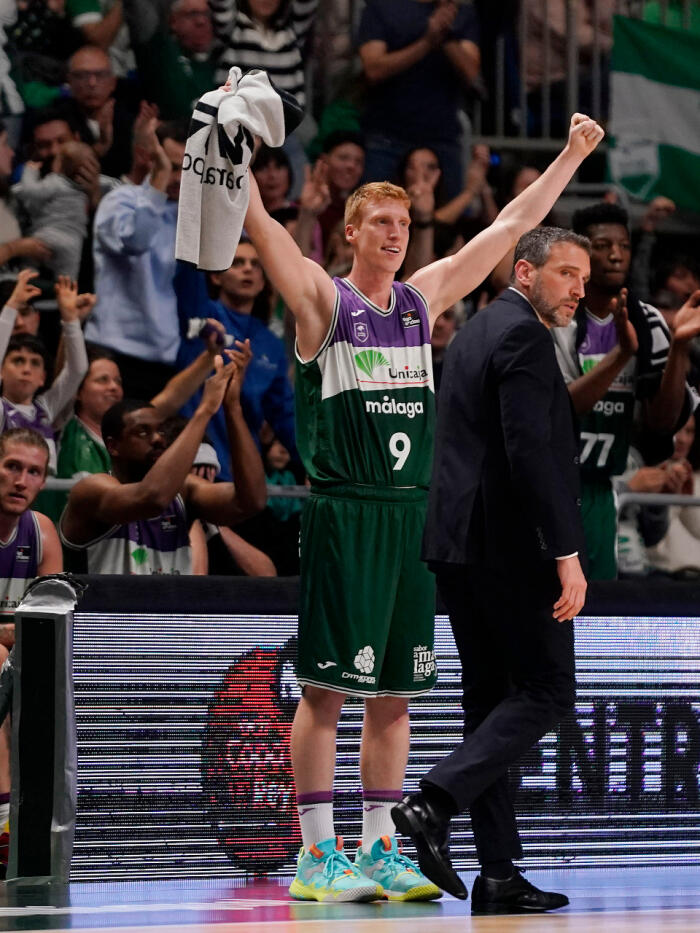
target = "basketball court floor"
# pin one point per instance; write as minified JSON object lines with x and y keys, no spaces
{"x":602,"y":901}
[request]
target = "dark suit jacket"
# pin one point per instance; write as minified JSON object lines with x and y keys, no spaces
{"x":505,"y":487}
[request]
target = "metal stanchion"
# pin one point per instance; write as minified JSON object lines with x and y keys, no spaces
{"x":43,"y":757}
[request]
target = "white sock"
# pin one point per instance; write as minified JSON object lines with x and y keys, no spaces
{"x":315,"y":818}
{"x":4,"y":815}
{"x":376,"y":816}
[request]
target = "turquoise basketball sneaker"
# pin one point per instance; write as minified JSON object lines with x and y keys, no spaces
{"x":325,"y":873}
{"x":401,"y":879}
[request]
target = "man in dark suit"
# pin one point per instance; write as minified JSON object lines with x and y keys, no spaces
{"x":503,"y":535}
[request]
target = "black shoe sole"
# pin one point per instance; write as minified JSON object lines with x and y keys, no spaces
{"x":430,"y":862}
{"x":500,"y":909}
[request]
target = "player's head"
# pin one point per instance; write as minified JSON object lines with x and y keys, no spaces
{"x":24,"y":368}
{"x":27,"y":320}
{"x":133,"y":434}
{"x":24,"y":461}
{"x":376,"y":224}
{"x":551,"y":266}
{"x":607,"y":227}
{"x":101,"y":388}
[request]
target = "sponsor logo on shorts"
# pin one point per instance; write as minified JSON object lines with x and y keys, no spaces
{"x":389,"y":406}
{"x":360,"y":678}
{"x":364,"y":660}
{"x":423,"y":662}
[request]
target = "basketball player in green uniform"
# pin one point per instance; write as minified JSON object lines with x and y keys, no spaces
{"x":365,"y":414}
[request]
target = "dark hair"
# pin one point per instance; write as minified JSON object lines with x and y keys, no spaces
{"x":94,"y":353}
{"x":535,"y":245}
{"x":340,"y":137}
{"x":277,"y":21}
{"x":28,"y":342}
{"x":27,"y":436}
{"x":667,"y":266}
{"x":267,"y":155}
{"x":112,"y":424}
{"x":173,"y":129}
{"x":601,"y":213}
{"x":48,"y":115}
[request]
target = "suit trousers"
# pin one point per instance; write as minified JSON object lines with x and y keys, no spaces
{"x":518,"y":681}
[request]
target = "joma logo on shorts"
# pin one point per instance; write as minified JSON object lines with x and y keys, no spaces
{"x":389,"y":406}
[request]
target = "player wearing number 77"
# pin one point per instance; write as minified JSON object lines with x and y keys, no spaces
{"x":614,"y":354}
{"x":365,"y":418}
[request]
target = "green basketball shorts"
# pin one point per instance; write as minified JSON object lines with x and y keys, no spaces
{"x":600,"y":528}
{"x":367,"y":612}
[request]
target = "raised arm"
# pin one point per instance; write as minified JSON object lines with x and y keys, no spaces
{"x":449,"y":279}
{"x":306,"y":289}
{"x":101,"y":500}
{"x":184,"y":384}
{"x":224,"y":503}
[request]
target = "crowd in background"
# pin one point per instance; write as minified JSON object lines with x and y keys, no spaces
{"x":96,"y":96}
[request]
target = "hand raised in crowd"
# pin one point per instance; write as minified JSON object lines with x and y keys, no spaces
{"x":24,"y":291}
{"x":584,"y":135}
{"x":440,"y":22}
{"x":214,"y":339}
{"x":216,"y":385}
{"x":141,"y":150}
{"x":478,"y":168}
{"x":71,"y":305}
{"x":657,"y":211}
{"x":87,"y":172}
{"x":105,"y":123}
{"x":240,"y":358}
{"x":626,"y":334}
{"x":315,"y":195}
{"x":686,"y":324}
{"x":162,"y":169}
{"x":422,"y":195}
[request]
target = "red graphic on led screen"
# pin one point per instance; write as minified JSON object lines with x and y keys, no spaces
{"x":246,"y":769}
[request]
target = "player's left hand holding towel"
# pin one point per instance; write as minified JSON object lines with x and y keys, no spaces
{"x":214,"y":190}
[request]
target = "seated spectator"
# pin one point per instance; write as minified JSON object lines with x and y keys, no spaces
{"x":225,"y":552}
{"x":82,"y":450}
{"x":134,"y":251}
{"x":24,"y":366}
{"x":678,"y":552}
{"x":101,"y":23}
{"x":56,"y":206}
{"x":136,"y":519}
{"x":103,"y":118}
{"x":266,"y":394}
{"x":418,"y":58}
{"x":344,"y":156}
{"x":173,"y":49}
{"x":29,"y":548}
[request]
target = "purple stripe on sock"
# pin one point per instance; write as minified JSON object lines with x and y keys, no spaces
{"x":319,"y":796}
{"x":5,"y":798}
{"x":383,"y":795}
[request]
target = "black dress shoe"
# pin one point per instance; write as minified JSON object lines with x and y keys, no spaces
{"x":430,"y":831}
{"x":515,"y":895}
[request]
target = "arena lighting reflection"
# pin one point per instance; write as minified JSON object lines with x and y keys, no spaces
{"x":183,"y":723}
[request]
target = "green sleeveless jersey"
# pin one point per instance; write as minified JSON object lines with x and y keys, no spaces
{"x":365,"y":405}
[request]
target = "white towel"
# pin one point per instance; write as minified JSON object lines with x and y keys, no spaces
{"x":214,"y":191}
